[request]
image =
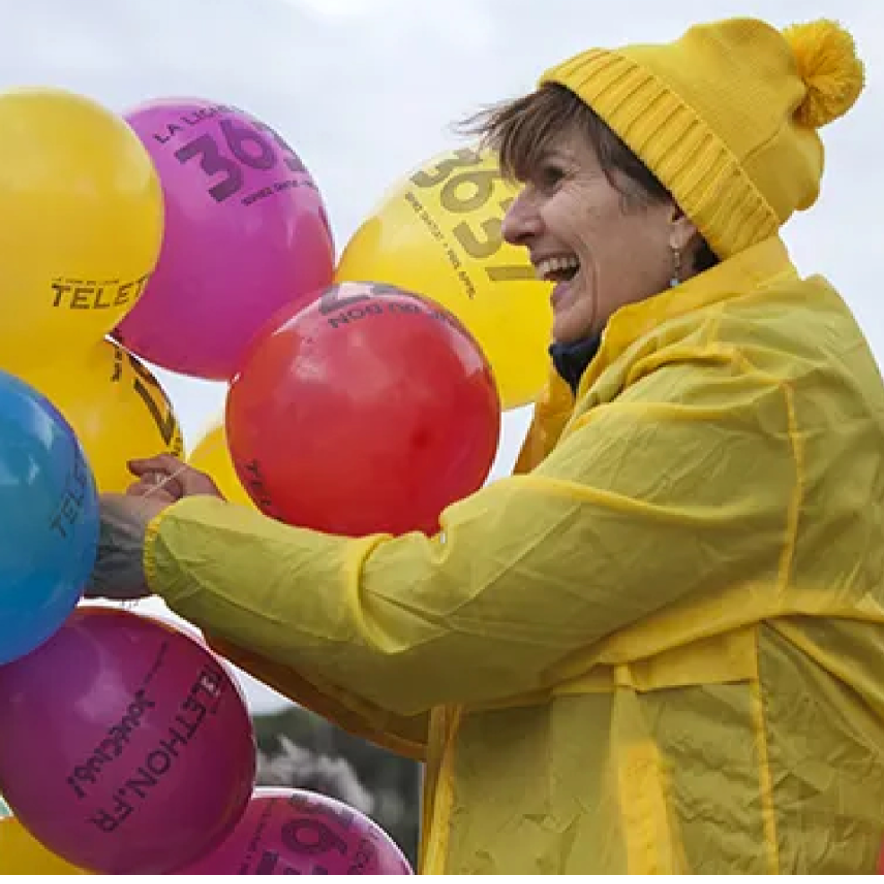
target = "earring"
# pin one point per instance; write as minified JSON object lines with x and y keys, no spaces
{"x":676,"y":267}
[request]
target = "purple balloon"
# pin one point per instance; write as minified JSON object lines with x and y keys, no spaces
{"x":291,"y":831}
{"x":246,"y":233}
{"x":125,"y":747}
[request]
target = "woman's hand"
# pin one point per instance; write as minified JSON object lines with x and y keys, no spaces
{"x":119,"y":566}
{"x":170,"y":479}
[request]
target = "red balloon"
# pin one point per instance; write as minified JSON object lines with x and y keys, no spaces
{"x":371,"y":410}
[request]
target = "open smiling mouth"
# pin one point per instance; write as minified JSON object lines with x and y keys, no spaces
{"x":562,"y":268}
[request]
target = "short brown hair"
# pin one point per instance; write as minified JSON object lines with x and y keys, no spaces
{"x":521,"y":131}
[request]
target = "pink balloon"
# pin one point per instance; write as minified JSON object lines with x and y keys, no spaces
{"x":246,"y":233}
{"x":291,"y":831}
{"x":125,"y":747}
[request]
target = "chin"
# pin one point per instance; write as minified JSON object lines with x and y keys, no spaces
{"x":568,"y":333}
{"x":570,"y":325}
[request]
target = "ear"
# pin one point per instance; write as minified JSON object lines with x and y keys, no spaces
{"x":682,"y":231}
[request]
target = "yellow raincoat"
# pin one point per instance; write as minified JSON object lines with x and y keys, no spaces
{"x":660,"y":650}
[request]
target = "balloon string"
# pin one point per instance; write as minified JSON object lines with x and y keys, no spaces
{"x":129,"y":604}
{"x":166,"y":480}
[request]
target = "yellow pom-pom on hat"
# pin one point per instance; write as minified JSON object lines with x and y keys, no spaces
{"x":726,"y":116}
{"x":830,"y":68}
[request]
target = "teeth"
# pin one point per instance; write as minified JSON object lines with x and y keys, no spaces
{"x":553,"y":265}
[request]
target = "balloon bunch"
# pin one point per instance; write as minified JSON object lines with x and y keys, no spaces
{"x":354,"y":405}
{"x":362,"y":396}
{"x":128,"y":749}
{"x":371,"y":408}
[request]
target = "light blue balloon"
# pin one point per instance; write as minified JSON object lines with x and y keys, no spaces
{"x":48,"y":519}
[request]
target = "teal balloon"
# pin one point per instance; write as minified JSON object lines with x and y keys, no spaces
{"x":49,"y":519}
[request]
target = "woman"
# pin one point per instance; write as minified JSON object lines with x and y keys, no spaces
{"x":660,"y":646}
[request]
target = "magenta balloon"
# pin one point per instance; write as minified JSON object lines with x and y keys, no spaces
{"x":246,"y":233}
{"x":291,"y":831}
{"x":125,"y":747}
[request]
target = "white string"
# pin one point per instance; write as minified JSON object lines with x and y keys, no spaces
{"x":166,"y":480}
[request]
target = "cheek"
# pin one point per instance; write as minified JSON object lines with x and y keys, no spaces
{"x":597,"y":228}
{"x":639,"y":254}
{"x":625,"y":253}
{"x":571,"y":216}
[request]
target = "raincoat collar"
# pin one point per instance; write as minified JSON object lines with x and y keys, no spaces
{"x":751,"y":270}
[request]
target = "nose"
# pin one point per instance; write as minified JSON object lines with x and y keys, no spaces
{"x":522,"y":220}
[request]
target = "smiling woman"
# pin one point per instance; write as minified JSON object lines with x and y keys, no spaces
{"x":611,"y":662}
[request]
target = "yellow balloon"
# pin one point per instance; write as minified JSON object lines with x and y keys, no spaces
{"x":82,"y":213}
{"x":22,"y":854}
{"x":116,"y":407}
{"x":438,"y":233}
{"x":212,"y":456}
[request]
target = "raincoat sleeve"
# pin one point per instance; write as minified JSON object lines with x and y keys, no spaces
{"x":686,"y":482}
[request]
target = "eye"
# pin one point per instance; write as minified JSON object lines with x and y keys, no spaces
{"x":549,"y":176}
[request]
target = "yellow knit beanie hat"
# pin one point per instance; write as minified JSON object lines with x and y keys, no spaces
{"x":726,"y":117}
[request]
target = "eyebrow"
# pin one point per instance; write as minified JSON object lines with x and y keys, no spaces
{"x":555,"y":153}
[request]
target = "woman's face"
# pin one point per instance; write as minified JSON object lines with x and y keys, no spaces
{"x":601,"y":249}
